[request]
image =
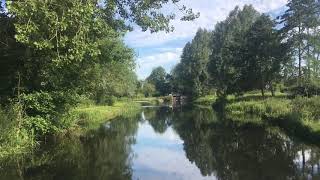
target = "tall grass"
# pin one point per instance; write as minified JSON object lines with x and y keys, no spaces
{"x":206,"y":100}
{"x":91,"y":116}
{"x":18,"y":138}
{"x":298,"y":117}
{"x":15,"y":138}
{"x":269,"y":108}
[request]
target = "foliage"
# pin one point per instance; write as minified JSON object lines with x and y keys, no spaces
{"x":264,"y":56}
{"x":206,"y":100}
{"x":307,"y":108}
{"x":158,"y":78}
{"x":269,"y":108}
{"x":308,"y":89}
{"x":56,"y":53}
{"x":227,"y":49}
{"x":190,"y":76}
{"x":300,"y":23}
{"x":148,"y":89}
{"x":91,"y":117}
{"x":300,"y":113}
{"x":14,"y":139}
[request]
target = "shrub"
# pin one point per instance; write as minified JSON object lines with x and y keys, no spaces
{"x":166,"y":99}
{"x":270,"y":108}
{"x":44,"y":110}
{"x":14,"y":137}
{"x":307,"y":109}
{"x":308,"y":89}
{"x":111,"y":100}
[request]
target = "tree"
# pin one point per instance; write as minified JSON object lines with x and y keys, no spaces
{"x":300,"y":17}
{"x":63,"y":38}
{"x":265,"y":55}
{"x":227,"y":50}
{"x":158,"y":79}
{"x":192,"y":78}
{"x":148,"y":90}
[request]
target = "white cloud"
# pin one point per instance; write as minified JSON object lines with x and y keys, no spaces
{"x":166,"y":59}
{"x":212,"y":11}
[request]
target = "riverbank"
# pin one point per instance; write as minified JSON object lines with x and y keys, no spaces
{"x":154,"y":100}
{"x":299,"y":116}
{"x":88,"y":117}
{"x":16,"y":139}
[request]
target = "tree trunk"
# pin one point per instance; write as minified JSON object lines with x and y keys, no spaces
{"x":303,"y":162}
{"x":300,"y":57}
{"x":308,"y":56}
{"x":262,"y":91}
{"x":272,"y":90}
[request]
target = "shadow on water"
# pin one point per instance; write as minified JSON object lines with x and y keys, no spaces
{"x":102,"y":154}
{"x":221,"y":149}
{"x":231,"y":150}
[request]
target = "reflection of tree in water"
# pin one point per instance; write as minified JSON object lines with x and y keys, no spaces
{"x":103,"y":154}
{"x":158,"y":118}
{"x":233,"y":151}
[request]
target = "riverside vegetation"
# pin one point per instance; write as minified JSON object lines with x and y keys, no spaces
{"x":56,"y":56}
{"x":65,"y":68}
{"x":250,"y":52}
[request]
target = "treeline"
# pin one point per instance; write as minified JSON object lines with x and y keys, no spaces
{"x":251,"y":51}
{"x":55,"y":54}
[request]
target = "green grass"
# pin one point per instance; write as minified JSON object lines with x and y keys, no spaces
{"x":15,"y":140}
{"x":154,"y":100}
{"x":206,"y":100}
{"x":270,"y":107}
{"x":92,"y":116}
{"x":298,"y":117}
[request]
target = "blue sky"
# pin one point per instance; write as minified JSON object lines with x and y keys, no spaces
{"x":164,"y":49}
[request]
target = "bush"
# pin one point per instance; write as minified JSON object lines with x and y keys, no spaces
{"x":307,"y":109}
{"x":166,"y":99}
{"x":111,"y":100}
{"x":270,"y":108}
{"x":14,"y":137}
{"x":44,"y":110}
{"x":308,"y":89}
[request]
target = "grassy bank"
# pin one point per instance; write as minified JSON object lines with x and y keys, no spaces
{"x":205,"y":100}
{"x":154,"y":100}
{"x":299,"y":117}
{"x":87,"y":117}
{"x":18,"y":136}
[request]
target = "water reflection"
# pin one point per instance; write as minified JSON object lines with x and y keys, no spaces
{"x":102,"y":154}
{"x":229,"y":150}
{"x":164,"y":143}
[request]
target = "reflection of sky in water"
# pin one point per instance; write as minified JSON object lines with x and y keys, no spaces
{"x":161,"y":156}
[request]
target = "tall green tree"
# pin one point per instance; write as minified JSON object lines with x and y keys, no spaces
{"x":193,"y":77}
{"x":298,"y":21}
{"x":158,"y":78}
{"x":265,"y":56}
{"x":227,"y":49}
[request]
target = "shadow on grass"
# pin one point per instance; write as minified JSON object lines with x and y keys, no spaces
{"x":256,"y":98}
{"x":294,"y":127}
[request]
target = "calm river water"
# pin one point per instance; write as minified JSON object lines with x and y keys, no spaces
{"x":163,"y":143}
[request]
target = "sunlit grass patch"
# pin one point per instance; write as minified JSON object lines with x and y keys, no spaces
{"x":206,"y":100}
{"x":91,"y":117}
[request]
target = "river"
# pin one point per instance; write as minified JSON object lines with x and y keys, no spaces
{"x":164,"y":143}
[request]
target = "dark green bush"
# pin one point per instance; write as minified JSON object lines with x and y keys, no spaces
{"x":308,"y":109}
{"x":110,"y":100}
{"x":44,"y":110}
{"x":166,"y":99}
{"x":308,"y":89}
